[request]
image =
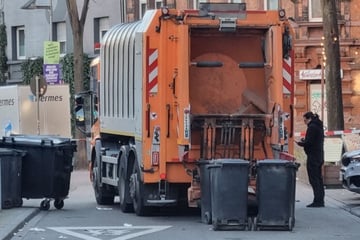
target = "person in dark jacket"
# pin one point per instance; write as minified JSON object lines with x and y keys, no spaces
{"x":313,"y":145}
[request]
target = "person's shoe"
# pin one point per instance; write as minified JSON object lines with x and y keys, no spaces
{"x":315,"y":205}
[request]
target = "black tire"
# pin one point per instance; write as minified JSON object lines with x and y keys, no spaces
{"x":45,"y":205}
{"x":137,"y":192}
{"x":124,"y":191}
{"x":102,"y":195}
{"x":59,"y":203}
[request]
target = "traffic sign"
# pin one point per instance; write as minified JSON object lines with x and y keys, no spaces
{"x":41,"y":83}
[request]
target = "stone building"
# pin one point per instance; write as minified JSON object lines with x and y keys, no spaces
{"x":309,"y":56}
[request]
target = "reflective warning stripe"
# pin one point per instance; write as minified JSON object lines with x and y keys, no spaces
{"x":288,"y":74}
{"x":153,"y":71}
{"x":152,"y":55}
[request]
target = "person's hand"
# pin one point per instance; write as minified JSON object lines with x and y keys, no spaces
{"x":301,"y":142}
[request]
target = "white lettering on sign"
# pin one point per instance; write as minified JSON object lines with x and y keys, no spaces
{"x":311,"y":74}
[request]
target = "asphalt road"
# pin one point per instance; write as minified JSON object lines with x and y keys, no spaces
{"x":82,"y":218}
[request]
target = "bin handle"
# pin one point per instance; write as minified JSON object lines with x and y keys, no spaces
{"x":47,"y":142}
{"x":293,"y":164}
{"x":218,"y":165}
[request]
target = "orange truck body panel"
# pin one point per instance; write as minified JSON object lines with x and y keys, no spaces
{"x":196,"y":90}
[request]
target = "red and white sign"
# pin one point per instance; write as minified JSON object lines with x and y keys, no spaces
{"x":155,"y":158}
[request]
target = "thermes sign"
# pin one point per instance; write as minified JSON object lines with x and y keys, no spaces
{"x":18,"y":113}
{"x":7,"y":102}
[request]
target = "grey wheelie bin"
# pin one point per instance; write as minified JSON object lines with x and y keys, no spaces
{"x":10,"y":178}
{"x":275,"y":190}
{"x":205,"y":190}
{"x":229,"y":194}
{"x":46,"y":167}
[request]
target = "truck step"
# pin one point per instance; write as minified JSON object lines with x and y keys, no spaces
{"x":162,"y":201}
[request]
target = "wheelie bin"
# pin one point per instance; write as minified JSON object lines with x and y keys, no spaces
{"x":205,"y":190}
{"x":229,"y":194}
{"x":10,"y":178}
{"x":275,"y":191}
{"x":46,"y":167}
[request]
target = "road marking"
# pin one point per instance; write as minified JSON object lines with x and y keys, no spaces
{"x":120,"y":233}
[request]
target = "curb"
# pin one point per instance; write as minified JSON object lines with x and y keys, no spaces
{"x":338,"y":203}
{"x":21,"y":224}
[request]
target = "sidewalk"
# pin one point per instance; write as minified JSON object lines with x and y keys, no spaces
{"x":11,"y":220}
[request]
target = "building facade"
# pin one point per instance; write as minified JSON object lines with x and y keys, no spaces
{"x":309,"y":58}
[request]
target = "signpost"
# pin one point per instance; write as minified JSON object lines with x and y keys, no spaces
{"x":38,"y":87}
{"x":51,"y":68}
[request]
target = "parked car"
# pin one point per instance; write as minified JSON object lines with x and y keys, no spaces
{"x":350,"y":171}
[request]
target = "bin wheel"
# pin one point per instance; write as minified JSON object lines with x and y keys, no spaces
{"x":59,"y":203}
{"x":45,"y":205}
{"x":249,"y":223}
{"x":291,"y":223}
{"x":207,"y":216}
{"x":19,"y":203}
{"x":215,"y":224}
{"x":255,"y":226}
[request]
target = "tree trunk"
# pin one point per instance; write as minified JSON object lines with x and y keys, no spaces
{"x":77,"y":26}
{"x":335,"y":115}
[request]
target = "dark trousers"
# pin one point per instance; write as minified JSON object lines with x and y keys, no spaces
{"x":314,"y":171}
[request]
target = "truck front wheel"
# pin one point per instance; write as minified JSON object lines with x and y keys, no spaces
{"x":137,"y":192}
{"x":102,"y":195}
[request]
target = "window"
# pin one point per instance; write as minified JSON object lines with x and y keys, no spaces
{"x":158,"y":4}
{"x":197,"y":2}
{"x":61,"y":37}
{"x":271,"y":4}
{"x":101,"y":26}
{"x":315,"y":13}
{"x":143,"y":8}
{"x":20,"y":43}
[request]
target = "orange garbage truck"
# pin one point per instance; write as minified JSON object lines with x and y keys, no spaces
{"x":181,"y":86}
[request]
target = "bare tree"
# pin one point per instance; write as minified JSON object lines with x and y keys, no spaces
{"x":335,"y":113}
{"x":77,"y":26}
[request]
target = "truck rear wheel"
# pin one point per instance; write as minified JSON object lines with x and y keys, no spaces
{"x":124,"y":191}
{"x":137,"y":192}
{"x":102,"y":195}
